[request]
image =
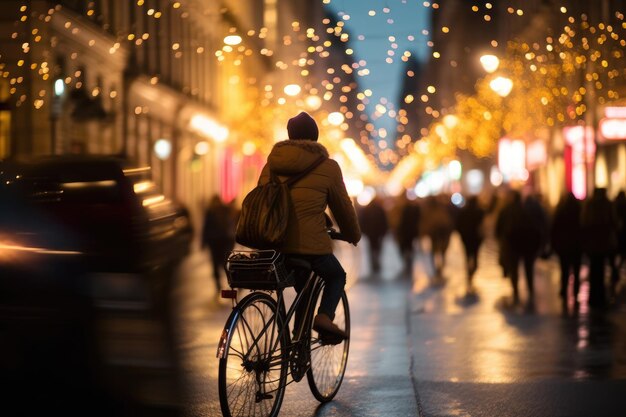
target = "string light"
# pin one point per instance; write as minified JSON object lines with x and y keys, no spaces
{"x":543,"y":70}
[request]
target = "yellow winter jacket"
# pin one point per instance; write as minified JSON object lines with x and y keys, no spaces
{"x":323,"y":187}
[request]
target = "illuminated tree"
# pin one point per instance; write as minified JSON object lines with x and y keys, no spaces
{"x":555,"y":83}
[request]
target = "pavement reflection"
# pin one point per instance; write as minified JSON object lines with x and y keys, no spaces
{"x":499,"y":341}
{"x":465,"y":343}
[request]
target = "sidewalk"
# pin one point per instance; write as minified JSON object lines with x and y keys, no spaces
{"x":482,"y":355}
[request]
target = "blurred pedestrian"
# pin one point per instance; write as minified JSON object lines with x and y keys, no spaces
{"x":436,"y":222}
{"x":522,"y":227}
{"x":218,"y":235}
{"x":507,"y":230}
{"x":374,"y":225}
{"x":599,"y":225}
{"x":620,"y":211}
{"x":566,"y":241}
{"x":407,"y":230}
{"x":500,"y":199}
{"x":536,"y":231}
{"x":469,"y":223}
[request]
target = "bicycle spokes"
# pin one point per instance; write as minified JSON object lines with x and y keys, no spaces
{"x":329,"y":356}
{"x":253,"y":372}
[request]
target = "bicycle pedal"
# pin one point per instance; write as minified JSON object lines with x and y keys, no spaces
{"x":260,"y":397}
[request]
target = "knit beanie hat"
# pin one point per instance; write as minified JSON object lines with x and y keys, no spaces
{"x":302,"y":127}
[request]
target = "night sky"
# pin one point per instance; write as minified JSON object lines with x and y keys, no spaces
{"x":371,"y":24}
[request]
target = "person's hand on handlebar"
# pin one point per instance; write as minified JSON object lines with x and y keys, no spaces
{"x":335,"y":235}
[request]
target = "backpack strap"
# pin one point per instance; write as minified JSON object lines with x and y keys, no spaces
{"x":274,"y":178}
{"x":292,"y":180}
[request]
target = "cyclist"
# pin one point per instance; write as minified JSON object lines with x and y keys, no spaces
{"x":307,"y":236}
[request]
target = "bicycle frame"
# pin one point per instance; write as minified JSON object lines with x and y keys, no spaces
{"x":310,"y":289}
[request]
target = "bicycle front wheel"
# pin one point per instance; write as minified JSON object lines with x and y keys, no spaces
{"x":253,"y":370}
{"x":328,"y":361}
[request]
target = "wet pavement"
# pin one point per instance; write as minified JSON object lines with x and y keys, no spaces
{"x":423,"y":347}
{"x":377,"y":380}
{"x":482,"y":355}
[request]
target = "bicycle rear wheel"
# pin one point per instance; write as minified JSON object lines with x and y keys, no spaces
{"x":328,"y":361}
{"x":252,"y":376}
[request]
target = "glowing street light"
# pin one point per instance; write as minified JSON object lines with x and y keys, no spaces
{"x":163,"y":149}
{"x":335,"y":118}
{"x":313,"y":102}
{"x":59,"y":87}
{"x":450,"y":121}
{"x":455,"y":170}
{"x":232,"y":40}
{"x":292,"y":89}
{"x":490,"y":63}
{"x":501,"y":85}
{"x":201,"y":148}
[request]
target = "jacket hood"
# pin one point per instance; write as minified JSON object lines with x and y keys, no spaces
{"x":292,"y":156}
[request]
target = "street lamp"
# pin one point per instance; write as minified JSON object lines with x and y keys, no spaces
{"x":335,"y":118}
{"x":501,"y":85}
{"x":313,"y":102}
{"x":292,"y":89}
{"x":511,"y":153}
{"x":450,"y":121}
{"x":232,"y":40}
{"x":59,"y":87}
{"x":163,"y":149}
{"x":57,"y":103}
{"x":490,"y":63}
{"x":201,"y":148}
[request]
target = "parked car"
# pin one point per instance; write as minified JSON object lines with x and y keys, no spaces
{"x":88,"y":246}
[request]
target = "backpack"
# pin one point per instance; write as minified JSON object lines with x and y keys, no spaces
{"x":265,"y":212}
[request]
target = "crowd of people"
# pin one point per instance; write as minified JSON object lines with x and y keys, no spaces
{"x":590,"y":232}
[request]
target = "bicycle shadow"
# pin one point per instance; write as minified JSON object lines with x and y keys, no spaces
{"x":333,"y":408}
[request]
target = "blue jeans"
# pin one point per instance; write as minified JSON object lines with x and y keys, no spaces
{"x":331,"y":271}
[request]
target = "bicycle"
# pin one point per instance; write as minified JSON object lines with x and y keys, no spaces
{"x":258,"y":355}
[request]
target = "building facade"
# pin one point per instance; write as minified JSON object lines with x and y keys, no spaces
{"x":168,"y":84}
{"x":578,"y":145}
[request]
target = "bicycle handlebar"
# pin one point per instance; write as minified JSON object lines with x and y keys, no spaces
{"x":335,"y":235}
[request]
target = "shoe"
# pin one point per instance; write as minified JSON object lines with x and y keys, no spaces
{"x":327,"y":329}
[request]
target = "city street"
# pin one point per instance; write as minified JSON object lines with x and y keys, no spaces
{"x":142,"y":141}
{"x":436,"y":351}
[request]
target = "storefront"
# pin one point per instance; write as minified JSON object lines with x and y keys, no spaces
{"x":610,"y":167}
